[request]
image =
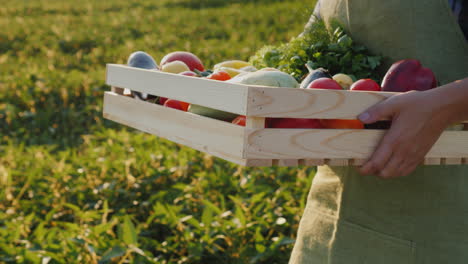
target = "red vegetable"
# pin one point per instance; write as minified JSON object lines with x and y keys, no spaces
{"x":162,"y":100}
{"x":293,"y":123}
{"x":325,"y":83}
{"x":365,"y":85}
{"x":188,"y":73}
{"x":190,"y":59}
{"x":240,"y":120}
{"x":220,"y":76}
{"x":341,"y":124}
{"x":177,"y":104}
{"x":407,"y":75}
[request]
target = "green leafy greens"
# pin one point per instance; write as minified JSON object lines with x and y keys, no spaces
{"x":332,"y":49}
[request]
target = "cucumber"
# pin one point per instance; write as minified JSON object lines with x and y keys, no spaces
{"x":212,"y":113}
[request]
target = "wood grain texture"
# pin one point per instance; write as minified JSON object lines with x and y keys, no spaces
{"x":310,"y":103}
{"x":221,"y":139}
{"x":336,"y":144}
{"x":219,"y":95}
{"x":338,"y":162}
{"x":254,"y":122}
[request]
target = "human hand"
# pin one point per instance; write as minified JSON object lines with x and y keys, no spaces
{"x":418,"y":120}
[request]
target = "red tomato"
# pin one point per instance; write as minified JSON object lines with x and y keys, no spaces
{"x":366,"y":85}
{"x":185,"y":106}
{"x":188,"y":73}
{"x":293,"y":123}
{"x":240,"y":120}
{"x":162,"y":100}
{"x":220,"y":76}
{"x":325,"y":83}
{"x":342,"y":124}
{"x":177,"y":104}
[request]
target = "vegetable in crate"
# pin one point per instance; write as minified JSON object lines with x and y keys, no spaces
{"x":404,"y":76}
{"x":366,"y":85}
{"x":332,"y":50}
{"x":190,"y":59}
{"x":407,"y":75}
{"x":293,"y":123}
{"x":231,"y":71}
{"x":341,"y":124}
{"x":175,"y":67}
{"x":344,"y":80}
{"x":268,"y":78}
{"x":176,"y":104}
{"x":140,"y":59}
{"x":219,"y":76}
{"x":264,"y":78}
{"x":211,"y":113}
{"x":240,"y":120}
{"x":189,"y":73}
{"x":325,"y":83}
{"x":314,"y":75}
{"x":235,"y":64}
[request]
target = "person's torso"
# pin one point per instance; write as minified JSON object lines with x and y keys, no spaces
{"x":426,"y":30}
{"x":430,"y":206}
{"x":459,"y":9}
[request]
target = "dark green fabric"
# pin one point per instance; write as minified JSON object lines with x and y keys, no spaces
{"x":421,"y":218}
{"x":401,"y":29}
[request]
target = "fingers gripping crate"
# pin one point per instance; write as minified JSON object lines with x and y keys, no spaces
{"x":255,"y":145}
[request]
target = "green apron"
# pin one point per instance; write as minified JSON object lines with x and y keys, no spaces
{"x":421,"y":218}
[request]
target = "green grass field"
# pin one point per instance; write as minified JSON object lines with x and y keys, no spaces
{"x":75,"y":188}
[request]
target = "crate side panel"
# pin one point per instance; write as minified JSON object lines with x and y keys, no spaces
{"x":310,"y":103}
{"x":224,"y":96}
{"x":337,"y":144}
{"x":215,"y":137}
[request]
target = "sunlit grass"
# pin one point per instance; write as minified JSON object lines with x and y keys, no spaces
{"x":75,"y":188}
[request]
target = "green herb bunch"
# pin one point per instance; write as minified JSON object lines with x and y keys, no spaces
{"x":331,"y":49}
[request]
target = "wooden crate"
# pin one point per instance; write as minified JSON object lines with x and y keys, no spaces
{"x":254,"y":145}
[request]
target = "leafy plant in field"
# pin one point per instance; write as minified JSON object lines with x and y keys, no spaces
{"x":75,"y":188}
{"x":331,"y":49}
{"x":105,"y":202}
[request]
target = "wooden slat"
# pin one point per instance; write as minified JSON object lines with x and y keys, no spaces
{"x":254,"y":122}
{"x":221,"y":139}
{"x":288,"y":162}
{"x":117,"y":90}
{"x":357,"y":162}
{"x":310,"y":103}
{"x":432,"y":161}
{"x":338,"y":162}
{"x":314,"y":162}
{"x":224,"y":96}
{"x":258,"y":163}
{"x":453,"y":161}
{"x":336,"y":144}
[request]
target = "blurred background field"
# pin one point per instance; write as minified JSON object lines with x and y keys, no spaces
{"x":75,"y":188}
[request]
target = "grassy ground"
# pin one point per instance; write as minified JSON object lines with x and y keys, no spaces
{"x":75,"y":188}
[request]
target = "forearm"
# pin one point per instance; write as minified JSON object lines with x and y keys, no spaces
{"x":451,"y":101}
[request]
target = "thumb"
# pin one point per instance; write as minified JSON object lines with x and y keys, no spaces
{"x":381,"y":111}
